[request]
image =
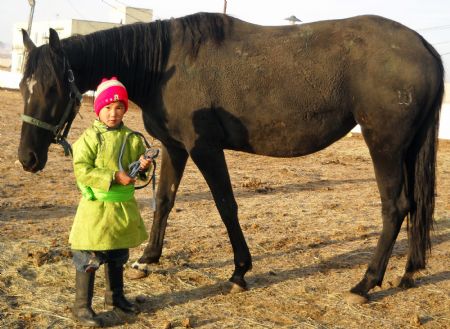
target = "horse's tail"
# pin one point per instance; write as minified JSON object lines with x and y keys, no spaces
{"x":421,"y":175}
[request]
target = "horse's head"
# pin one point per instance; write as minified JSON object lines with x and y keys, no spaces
{"x":50,"y":101}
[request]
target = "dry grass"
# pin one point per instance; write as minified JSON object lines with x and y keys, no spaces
{"x":311,"y":224}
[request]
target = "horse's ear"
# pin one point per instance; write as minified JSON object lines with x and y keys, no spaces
{"x":29,"y":45}
{"x":54,"y":42}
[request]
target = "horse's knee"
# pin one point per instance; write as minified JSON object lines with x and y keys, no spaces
{"x":164,"y":204}
{"x":394,"y":213}
{"x":228,"y":210}
{"x":403,"y":205}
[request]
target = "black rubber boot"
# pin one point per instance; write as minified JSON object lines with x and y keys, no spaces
{"x":82,"y":308}
{"x":114,"y":295}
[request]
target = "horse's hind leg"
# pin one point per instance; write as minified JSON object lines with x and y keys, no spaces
{"x":213,"y":167}
{"x":389,"y":172}
{"x":173,"y":163}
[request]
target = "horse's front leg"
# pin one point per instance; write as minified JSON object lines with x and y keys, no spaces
{"x":212,"y":165}
{"x":173,"y":163}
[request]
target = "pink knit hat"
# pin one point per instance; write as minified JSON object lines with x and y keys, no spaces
{"x":109,"y":91}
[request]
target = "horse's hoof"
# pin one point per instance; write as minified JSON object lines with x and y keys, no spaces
{"x":235,"y":288}
{"x":141,"y":299}
{"x":137,"y":271}
{"x":135,"y":274}
{"x":355,"y":299}
{"x":405,"y":282}
{"x":230,"y":287}
{"x":140,"y":266}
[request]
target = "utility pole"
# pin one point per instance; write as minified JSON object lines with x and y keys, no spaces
{"x":30,"y":19}
{"x":224,"y":6}
{"x":30,"y":22}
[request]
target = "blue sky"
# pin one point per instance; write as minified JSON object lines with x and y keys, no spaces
{"x":431,"y":18}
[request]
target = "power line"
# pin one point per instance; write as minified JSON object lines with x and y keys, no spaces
{"x":127,"y":14}
{"x":123,"y":4}
{"x":441,"y":43}
{"x":439,"y":27}
{"x":126,"y":5}
{"x":81,"y":15}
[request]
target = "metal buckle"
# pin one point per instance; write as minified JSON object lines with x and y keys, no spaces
{"x":70,"y":77}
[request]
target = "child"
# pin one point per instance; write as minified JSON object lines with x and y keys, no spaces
{"x":107,"y":221}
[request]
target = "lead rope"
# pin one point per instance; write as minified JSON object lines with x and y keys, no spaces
{"x":133,"y":168}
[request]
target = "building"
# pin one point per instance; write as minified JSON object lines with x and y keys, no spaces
{"x":66,"y":28}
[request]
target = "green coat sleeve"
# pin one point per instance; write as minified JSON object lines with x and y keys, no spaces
{"x":84,"y":155}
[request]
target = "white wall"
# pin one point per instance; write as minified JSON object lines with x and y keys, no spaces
{"x":444,"y":127}
{"x":39,"y":35}
{"x":447,"y":93}
{"x":65,"y":28}
{"x":10,"y":80}
{"x":86,"y":27}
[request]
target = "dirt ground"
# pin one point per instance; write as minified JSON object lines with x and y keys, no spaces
{"x":311,"y":224}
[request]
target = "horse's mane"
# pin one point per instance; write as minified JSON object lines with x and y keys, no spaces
{"x":198,"y":28}
{"x":144,"y":48}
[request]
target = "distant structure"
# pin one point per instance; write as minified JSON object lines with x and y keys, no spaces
{"x":292,"y":19}
{"x":65,"y":28}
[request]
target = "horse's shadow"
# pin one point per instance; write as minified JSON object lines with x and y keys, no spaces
{"x":37,"y":213}
{"x":266,"y":279}
{"x":423,"y":281}
{"x":285,"y":189}
{"x":42,"y":212}
{"x":183,"y":259}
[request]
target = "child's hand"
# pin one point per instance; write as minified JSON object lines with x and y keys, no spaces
{"x":145,"y":163}
{"x":122,"y":178}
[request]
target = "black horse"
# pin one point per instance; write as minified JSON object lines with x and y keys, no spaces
{"x":209,"y":82}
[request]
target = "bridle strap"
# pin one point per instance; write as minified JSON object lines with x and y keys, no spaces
{"x":38,"y":123}
{"x":54,"y":129}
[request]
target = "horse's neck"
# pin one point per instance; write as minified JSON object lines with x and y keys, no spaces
{"x":139,"y":63}
{"x":88,"y":74}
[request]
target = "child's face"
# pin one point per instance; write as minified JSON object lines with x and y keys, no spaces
{"x":112,"y":114}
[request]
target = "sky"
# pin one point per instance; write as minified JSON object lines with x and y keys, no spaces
{"x":431,"y":18}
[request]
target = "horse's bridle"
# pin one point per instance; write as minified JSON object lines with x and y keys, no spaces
{"x":61,"y":130}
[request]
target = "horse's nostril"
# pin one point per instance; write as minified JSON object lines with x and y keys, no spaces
{"x":34,"y":160}
{"x":31,"y":162}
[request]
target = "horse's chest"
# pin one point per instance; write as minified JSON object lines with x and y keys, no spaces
{"x":162,"y":128}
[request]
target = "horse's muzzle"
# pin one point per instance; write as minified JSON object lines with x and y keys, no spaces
{"x":31,"y":163}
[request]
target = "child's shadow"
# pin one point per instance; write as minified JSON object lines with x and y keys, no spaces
{"x":115,"y":317}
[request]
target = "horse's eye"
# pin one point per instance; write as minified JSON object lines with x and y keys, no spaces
{"x":51,"y":90}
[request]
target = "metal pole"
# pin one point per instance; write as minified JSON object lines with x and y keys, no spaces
{"x":30,"y":19}
{"x":30,"y":22}
{"x":224,"y":6}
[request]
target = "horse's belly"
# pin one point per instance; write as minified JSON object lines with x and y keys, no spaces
{"x":289,"y":138}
